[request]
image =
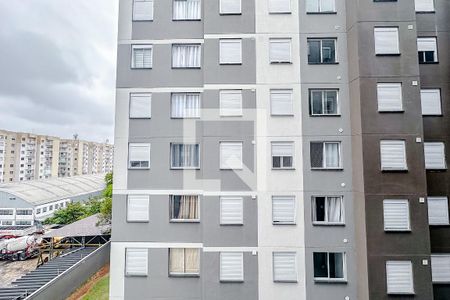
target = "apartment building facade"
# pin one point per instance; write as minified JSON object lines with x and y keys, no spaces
{"x":276,"y":149}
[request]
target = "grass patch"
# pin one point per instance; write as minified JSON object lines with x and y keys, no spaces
{"x":99,"y":291}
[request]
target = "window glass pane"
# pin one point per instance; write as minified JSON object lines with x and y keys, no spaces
{"x":142,"y":57}
{"x":192,"y":260}
{"x":336,"y":265}
{"x":316,"y":150}
{"x":312,"y":5}
{"x":332,"y":155}
{"x":320,"y":265}
{"x":327,"y":6}
{"x":317,"y":108}
{"x":176,"y":260}
{"x":331,"y":102}
{"x":328,"y":51}
{"x":320,"y":209}
{"x":276,"y":161}
{"x":314,"y":51}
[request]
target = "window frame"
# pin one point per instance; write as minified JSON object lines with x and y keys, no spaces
{"x":392,"y":229}
{"x":186,"y":94}
{"x":184,"y":220}
{"x":405,"y":158}
{"x":222,"y":13}
{"x":228,"y":40}
{"x":328,"y":278}
{"x":327,"y":222}
{"x":174,"y":45}
{"x":311,"y":108}
{"x":294,"y":200}
{"x":133,"y":17}
{"x":324,"y":167}
{"x":435,"y":52}
{"x":172,"y":167}
{"x":322,"y":39}
{"x":280,"y":40}
{"x":185,"y":274}
{"x":282,"y":167}
{"x":398,"y":50}
{"x":185,"y":19}
{"x":130,"y":106}
{"x":140,"y":47}
{"x":294,"y":254}
{"x":319,"y":11}
{"x":149,"y":156}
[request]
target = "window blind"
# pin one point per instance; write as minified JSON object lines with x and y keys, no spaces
{"x":440,"y":268}
{"x":431,"y":101}
{"x":285,"y":266}
{"x":230,"y":51}
{"x":230,"y":103}
{"x":386,"y":40}
{"x":424,"y":5}
{"x":399,"y":277}
{"x":281,"y":102}
{"x":279,"y":6}
{"x":136,"y":262}
{"x":185,"y":105}
{"x":396,"y":215}
{"x":186,"y":56}
{"x":231,"y":266}
{"x":142,"y":56}
{"x":231,"y":155}
{"x":187,"y":9}
{"x":283,"y":210}
{"x":280,"y":50}
{"x":393,"y":155}
{"x":140,"y":106}
{"x":434,"y":156}
{"x":438,"y":211}
{"x":138,"y":208}
{"x":231,"y":210}
{"x":282,"y":149}
{"x":142,"y":10}
{"x":139,"y":155}
{"x":389,"y":96}
{"x":230,"y":6}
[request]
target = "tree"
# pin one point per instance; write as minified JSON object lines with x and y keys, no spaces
{"x":73,"y":212}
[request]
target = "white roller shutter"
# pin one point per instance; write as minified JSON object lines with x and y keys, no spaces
{"x":231,"y":266}
{"x":283,"y":210}
{"x":285,"y":266}
{"x":281,"y":102}
{"x":393,"y":155}
{"x":231,"y":155}
{"x":231,"y":103}
{"x":231,"y":210}
{"x":140,"y":105}
{"x":230,"y":51}
{"x":389,"y":97}
{"x":440,"y":268}
{"x":386,"y":40}
{"x":142,"y":10}
{"x":438,"y":211}
{"x":279,"y":6}
{"x":424,"y":5}
{"x":431,"y":102}
{"x":399,"y":276}
{"x":434,"y":156}
{"x":426,"y":44}
{"x":282,"y":149}
{"x":138,"y":208}
{"x":139,"y":155}
{"x":230,"y":6}
{"x":396,"y":215}
{"x":280,"y":50}
{"x":136,"y":262}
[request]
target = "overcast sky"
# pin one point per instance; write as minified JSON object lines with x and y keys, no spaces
{"x":57,"y":67}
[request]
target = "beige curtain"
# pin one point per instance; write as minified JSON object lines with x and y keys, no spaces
{"x":188,"y":207}
{"x":192,"y":261}
{"x":176,"y":260}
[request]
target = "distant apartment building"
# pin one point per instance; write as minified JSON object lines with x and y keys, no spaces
{"x":27,"y":156}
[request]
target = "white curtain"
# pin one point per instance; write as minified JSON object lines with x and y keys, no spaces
{"x":192,"y":261}
{"x":176,"y":260}
{"x":186,"y":56}
{"x":184,"y":155}
{"x":331,"y":155}
{"x":335,"y":210}
{"x":185,"y":105}
{"x":187,"y":10}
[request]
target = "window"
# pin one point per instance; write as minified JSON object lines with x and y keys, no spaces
{"x":427,"y":50}
{"x":440,"y":268}
{"x":185,"y":105}
{"x":50,"y":207}
{"x":184,"y":261}
{"x":143,"y":10}
{"x":282,"y":155}
{"x":393,"y":155}
{"x":431,"y":102}
{"x":281,"y":103}
{"x":280,"y":51}
{"x":424,"y":5}
{"x":321,"y":51}
{"x":186,"y":56}
{"x":329,"y":266}
{"x":231,"y":155}
{"x":24,"y":212}
{"x":185,"y":156}
{"x":435,"y":156}
{"x":6,"y":223}
{"x":279,"y":6}
{"x":187,"y":9}
{"x":230,"y":51}
{"x":38,"y":211}
{"x":230,"y":7}
{"x":230,"y":103}
{"x":320,"y":6}
{"x":285,"y":267}
{"x":396,"y":215}
{"x":136,"y":262}
{"x":138,"y":208}
{"x":23,"y":223}
{"x":327,"y":210}
{"x":325,"y":155}
{"x":386,"y":40}
{"x":389,"y":97}
{"x":283,"y":210}
{"x":438,"y":211}
{"x":231,"y":211}
{"x":6,"y":212}
{"x":323,"y":102}
{"x":184,"y":208}
{"x":399,"y":277}
{"x":44,"y":209}
{"x":139,"y":156}
{"x":232,"y":266}
{"x":140,"y":106}
{"x":142,"y":57}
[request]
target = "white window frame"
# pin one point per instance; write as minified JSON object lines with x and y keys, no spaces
{"x":230,"y":62}
{"x":319,"y":8}
{"x":185,"y":115}
{"x":227,"y":167}
{"x":185,"y":274}
{"x":327,"y":222}
{"x":282,"y":167}
{"x":222,"y":12}
{"x":150,"y":16}
{"x":187,"y":18}
{"x":386,"y":203}
{"x":321,"y":40}
{"x":428,"y":164}
{"x":143,"y":251}
{"x":275,"y":256}
{"x":273,"y":41}
{"x":422,"y":43}
{"x":436,"y":103}
{"x":324,"y":161}
{"x":440,"y":268}
{"x":444,"y":219}
{"x":396,"y":47}
{"x":130,"y":145}
{"x":392,"y":264}
{"x":323,"y":91}
{"x":382,"y":103}
{"x":199,"y":46}
{"x":290,"y":109}
{"x":240,"y":201}
{"x":133,"y":59}
{"x":273,"y":9}
{"x":294,"y":204}
{"x":423,"y":6}
{"x":237,"y":112}
{"x":388,"y":168}
{"x":224,"y":255}
{"x":144,"y":215}
{"x":187,"y":167}
{"x":332,"y":279}
{"x":184,"y":220}
{"x":137,"y":113}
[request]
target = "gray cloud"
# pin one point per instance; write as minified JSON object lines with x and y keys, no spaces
{"x":57,"y":67}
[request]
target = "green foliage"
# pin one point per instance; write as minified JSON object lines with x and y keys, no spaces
{"x":73,"y":212}
{"x":107,"y":192}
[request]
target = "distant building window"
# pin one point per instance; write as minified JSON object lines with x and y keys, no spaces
{"x":6,"y":212}
{"x":23,"y":223}
{"x":320,"y":6}
{"x":187,"y":9}
{"x":184,"y":261}
{"x":24,"y":212}
{"x":142,"y":57}
{"x":184,"y":208}
{"x":321,"y":51}
{"x":427,"y":48}
{"x":143,"y":10}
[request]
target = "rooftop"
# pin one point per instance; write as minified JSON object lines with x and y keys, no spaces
{"x":44,"y":191}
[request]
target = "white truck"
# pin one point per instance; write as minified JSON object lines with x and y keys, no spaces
{"x":20,"y":248}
